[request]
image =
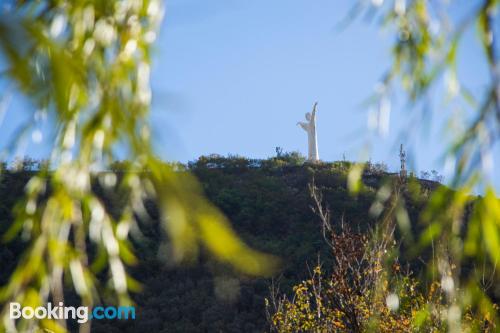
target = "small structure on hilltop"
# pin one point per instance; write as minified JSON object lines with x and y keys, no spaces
{"x":402,"y":156}
{"x":310,"y":128}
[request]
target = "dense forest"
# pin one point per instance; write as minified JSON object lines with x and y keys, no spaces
{"x":269,"y":205}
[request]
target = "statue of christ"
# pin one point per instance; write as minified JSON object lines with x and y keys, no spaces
{"x":310,"y":128}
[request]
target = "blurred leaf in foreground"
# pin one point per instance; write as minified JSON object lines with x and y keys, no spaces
{"x":86,"y":64}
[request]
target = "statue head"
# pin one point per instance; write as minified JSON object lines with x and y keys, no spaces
{"x":308,"y":116}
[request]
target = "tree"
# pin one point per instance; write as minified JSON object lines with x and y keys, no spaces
{"x":425,"y":175}
{"x":423,"y":57}
{"x":87,"y":65}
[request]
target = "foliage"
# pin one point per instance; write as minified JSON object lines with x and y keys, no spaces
{"x":86,"y":65}
{"x":268,"y":207}
{"x":359,"y":295}
{"x":426,"y":56}
{"x":433,"y":174}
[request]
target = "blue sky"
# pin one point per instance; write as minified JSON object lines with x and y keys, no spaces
{"x":242,"y":73}
{"x":235,"y":76}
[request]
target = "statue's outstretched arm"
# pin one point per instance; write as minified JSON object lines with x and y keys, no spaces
{"x":305,"y":126}
{"x":314,"y":110}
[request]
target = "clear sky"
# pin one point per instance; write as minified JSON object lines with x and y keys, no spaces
{"x":240,"y":74}
{"x":235,"y":76}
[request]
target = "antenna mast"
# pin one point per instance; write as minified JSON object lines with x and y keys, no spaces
{"x":402,"y":157}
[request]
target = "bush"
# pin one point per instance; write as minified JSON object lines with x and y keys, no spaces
{"x":365,"y":292}
{"x":367,"y":289}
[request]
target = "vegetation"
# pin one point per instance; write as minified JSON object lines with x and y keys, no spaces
{"x":85,"y":64}
{"x":427,"y":58}
{"x":367,"y":290}
{"x":269,"y":205}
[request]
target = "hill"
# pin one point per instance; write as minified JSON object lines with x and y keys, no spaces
{"x":269,"y":205}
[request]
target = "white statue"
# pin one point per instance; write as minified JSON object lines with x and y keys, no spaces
{"x":310,"y":128}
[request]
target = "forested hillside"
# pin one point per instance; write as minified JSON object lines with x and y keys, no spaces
{"x":269,"y":205}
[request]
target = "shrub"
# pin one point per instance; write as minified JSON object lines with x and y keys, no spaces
{"x":367,"y":289}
